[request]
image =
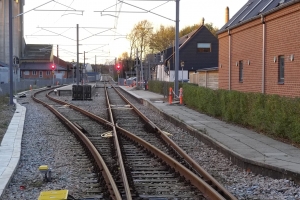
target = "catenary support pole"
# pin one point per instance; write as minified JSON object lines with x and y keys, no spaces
{"x":176,"y":49}
{"x":83,"y":66}
{"x":77,"y":66}
{"x":57,"y":61}
{"x":11,"y":84}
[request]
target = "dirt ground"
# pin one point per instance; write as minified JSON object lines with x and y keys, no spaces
{"x":6,"y":113}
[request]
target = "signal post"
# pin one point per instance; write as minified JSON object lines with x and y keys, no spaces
{"x":53,"y":69}
{"x":118,"y":67}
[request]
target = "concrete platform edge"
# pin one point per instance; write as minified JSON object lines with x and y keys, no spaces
{"x":237,"y":159}
{"x":19,"y":115}
{"x":247,"y":164}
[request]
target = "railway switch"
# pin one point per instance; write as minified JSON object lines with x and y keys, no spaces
{"x":46,"y":171}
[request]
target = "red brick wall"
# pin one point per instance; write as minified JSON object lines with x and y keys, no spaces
{"x":223,"y":61}
{"x":282,"y":38}
{"x":37,"y":76}
{"x":283,"y":32}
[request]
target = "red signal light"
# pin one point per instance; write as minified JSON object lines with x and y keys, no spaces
{"x":52,"y":67}
{"x":118,"y":67}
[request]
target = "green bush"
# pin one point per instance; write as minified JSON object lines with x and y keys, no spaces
{"x":273,"y":114}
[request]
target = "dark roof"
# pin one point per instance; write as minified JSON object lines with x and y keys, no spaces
{"x":184,"y":39}
{"x":253,"y":9}
{"x":61,"y":62}
{"x":38,"y":52}
{"x":39,"y":66}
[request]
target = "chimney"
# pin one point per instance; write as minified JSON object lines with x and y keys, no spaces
{"x":226,"y":14}
{"x":202,"y":21}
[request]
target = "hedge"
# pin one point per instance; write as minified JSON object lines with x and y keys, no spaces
{"x":273,"y":114}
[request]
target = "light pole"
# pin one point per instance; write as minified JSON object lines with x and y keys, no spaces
{"x":182,"y":65}
{"x":176,"y":48}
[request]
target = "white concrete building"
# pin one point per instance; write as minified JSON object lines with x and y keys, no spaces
{"x":18,"y":40}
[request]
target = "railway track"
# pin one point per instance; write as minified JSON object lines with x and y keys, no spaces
{"x":153,"y":166}
{"x":99,"y":182}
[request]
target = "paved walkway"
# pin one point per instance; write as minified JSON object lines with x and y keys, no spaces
{"x":246,"y":145}
{"x":10,"y":148}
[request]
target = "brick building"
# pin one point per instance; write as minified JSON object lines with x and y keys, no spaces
{"x":259,"y":48}
{"x":37,"y":63}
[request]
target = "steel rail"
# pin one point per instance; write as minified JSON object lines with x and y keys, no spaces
{"x":170,"y":142}
{"x":91,"y":115}
{"x":218,"y":187}
{"x":117,"y":147}
{"x":110,"y":183}
{"x":200,"y":184}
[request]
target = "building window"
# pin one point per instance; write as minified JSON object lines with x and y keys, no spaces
{"x":34,"y":73}
{"x":204,"y":47}
{"x":241,"y":69}
{"x":48,"y":73}
{"x":281,"y":69}
{"x":41,"y":74}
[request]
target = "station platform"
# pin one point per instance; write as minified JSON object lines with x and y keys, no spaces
{"x":10,"y":148}
{"x":250,"y":150}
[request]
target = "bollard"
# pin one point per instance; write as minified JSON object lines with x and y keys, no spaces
{"x":30,"y":87}
{"x":180,"y":96}
{"x":170,"y":95}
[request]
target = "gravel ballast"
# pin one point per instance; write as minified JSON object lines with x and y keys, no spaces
{"x":44,"y":140}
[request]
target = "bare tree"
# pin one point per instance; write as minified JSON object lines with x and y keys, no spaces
{"x":140,"y":37}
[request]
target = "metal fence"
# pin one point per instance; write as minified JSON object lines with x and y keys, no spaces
{"x":24,"y":84}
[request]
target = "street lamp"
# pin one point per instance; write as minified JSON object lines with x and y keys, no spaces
{"x":182,"y":65}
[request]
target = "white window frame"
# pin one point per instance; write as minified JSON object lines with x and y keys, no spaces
{"x":204,"y":47}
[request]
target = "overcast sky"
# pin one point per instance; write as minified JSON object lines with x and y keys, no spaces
{"x":111,"y":26}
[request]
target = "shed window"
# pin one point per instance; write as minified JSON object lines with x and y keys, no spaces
{"x":281,"y":69}
{"x":241,"y":69}
{"x":204,"y":47}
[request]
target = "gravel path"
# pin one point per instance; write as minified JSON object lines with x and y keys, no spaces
{"x":6,"y":113}
{"x":43,"y":143}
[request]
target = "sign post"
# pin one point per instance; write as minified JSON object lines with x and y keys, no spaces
{"x":182,"y":65}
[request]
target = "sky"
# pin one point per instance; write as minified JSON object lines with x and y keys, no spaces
{"x":104,"y":24}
